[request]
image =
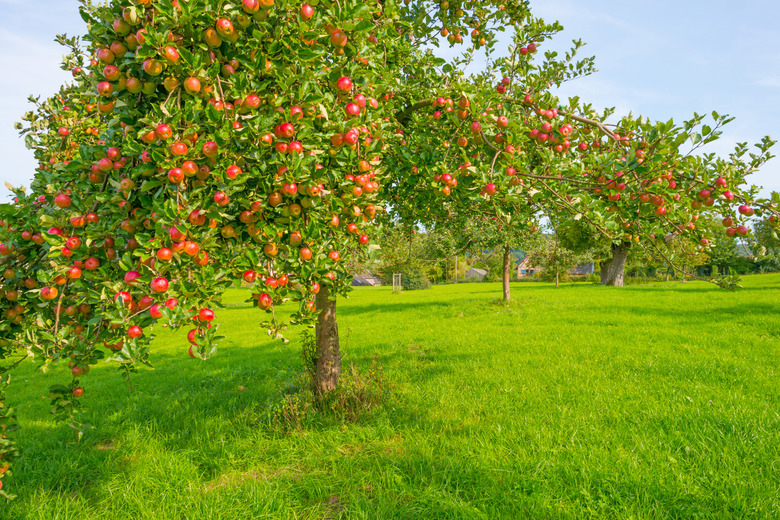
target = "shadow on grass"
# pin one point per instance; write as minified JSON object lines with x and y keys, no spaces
{"x":186,"y":408}
{"x":347,"y":309}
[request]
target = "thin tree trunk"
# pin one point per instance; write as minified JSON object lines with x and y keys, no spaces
{"x":328,"y":362}
{"x":556,"y":278}
{"x":617,"y":266}
{"x":507,"y":270}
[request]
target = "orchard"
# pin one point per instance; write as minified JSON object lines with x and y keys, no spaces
{"x":204,"y":143}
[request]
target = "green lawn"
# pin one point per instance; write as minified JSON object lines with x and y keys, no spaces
{"x":656,"y":401}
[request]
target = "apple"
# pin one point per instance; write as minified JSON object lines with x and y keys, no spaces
{"x":135,"y":332}
{"x":344,"y":84}
{"x":221,"y":198}
{"x":62,"y":200}
{"x":290,"y":189}
{"x":163,"y":131}
{"x":206,"y":315}
{"x":155,"y":311}
{"x":250,"y":6}
{"x":175,"y":175}
{"x":210,"y":149}
{"x":171,"y":54}
{"x":352,"y":110}
{"x":152,"y":67}
{"x":265,"y":301}
{"x":305,"y":253}
{"x":232,"y":171}
{"x":338,"y":38}
{"x":225,"y":28}
{"x":179,"y":149}
{"x":159,"y":285}
{"x":48,"y":293}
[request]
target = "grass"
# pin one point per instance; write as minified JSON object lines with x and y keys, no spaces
{"x":655,"y":401}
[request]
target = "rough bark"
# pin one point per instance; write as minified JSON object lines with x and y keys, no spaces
{"x":604,"y":271}
{"x":507,"y":271}
{"x":328,"y":354}
{"x":617,"y":266}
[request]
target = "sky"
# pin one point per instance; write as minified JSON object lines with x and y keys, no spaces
{"x":662,"y":59}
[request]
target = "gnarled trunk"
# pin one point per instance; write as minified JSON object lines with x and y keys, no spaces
{"x":617,"y":266}
{"x":328,"y":354}
{"x":507,"y":271}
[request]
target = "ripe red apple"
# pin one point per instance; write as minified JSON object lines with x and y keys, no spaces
{"x":179,"y":149}
{"x":171,"y":54}
{"x":62,"y":200}
{"x":206,"y":315}
{"x":225,"y":28}
{"x":155,"y":311}
{"x":307,"y":12}
{"x":344,"y":84}
{"x":290,"y":189}
{"x":159,"y":285}
{"x":176,"y":235}
{"x":338,"y":38}
{"x":352,"y":109}
{"x":210,"y":149}
{"x":135,"y":332}
{"x":265,"y":301}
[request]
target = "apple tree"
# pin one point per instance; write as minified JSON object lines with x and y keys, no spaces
{"x":204,"y":142}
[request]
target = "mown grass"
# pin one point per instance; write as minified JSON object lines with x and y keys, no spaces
{"x":656,"y":401}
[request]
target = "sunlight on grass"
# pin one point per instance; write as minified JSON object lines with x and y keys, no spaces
{"x":657,"y":401}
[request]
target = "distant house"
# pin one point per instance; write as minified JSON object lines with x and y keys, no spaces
{"x":476,"y":274}
{"x":526,"y":268}
{"x":583,"y":269}
{"x":366,"y":279}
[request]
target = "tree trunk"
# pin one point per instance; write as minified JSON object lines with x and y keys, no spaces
{"x":507,"y":271}
{"x":617,"y":266}
{"x":328,"y":356}
{"x":556,"y":278}
{"x":456,"y":268}
{"x":604,"y":271}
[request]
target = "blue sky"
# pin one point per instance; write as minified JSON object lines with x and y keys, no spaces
{"x":661,"y":59}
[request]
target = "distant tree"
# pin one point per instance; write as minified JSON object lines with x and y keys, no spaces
{"x":767,"y":246}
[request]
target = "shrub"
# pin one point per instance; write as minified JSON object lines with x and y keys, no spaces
{"x":414,"y":279}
